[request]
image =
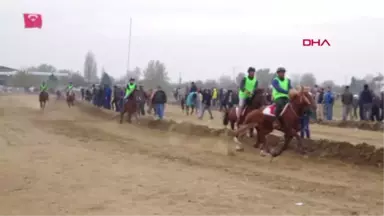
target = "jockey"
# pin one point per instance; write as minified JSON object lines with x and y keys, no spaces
{"x":43,"y":87}
{"x":247,"y":86}
{"x":69,"y":87}
{"x":280,"y":89}
{"x":130,"y":88}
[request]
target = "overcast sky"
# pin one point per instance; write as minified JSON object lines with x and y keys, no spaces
{"x":201,"y":38}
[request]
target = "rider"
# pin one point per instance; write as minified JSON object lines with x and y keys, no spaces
{"x":43,"y":87}
{"x":280,"y":89}
{"x":130,"y":88}
{"x":69,"y":87}
{"x":247,"y":87}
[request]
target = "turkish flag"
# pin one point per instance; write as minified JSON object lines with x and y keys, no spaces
{"x":33,"y":20}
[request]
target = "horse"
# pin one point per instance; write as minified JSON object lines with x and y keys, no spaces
{"x":70,"y":98}
{"x":264,"y":120}
{"x":256,"y":101}
{"x":43,"y":98}
{"x":130,"y":107}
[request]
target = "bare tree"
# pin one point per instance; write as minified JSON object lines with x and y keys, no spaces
{"x":90,"y":68}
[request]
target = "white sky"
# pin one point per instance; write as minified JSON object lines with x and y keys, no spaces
{"x":200,"y":39}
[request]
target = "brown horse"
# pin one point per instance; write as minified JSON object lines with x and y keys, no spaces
{"x":256,"y":101}
{"x":264,"y":121}
{"x":43,"y":98}
{"x":130,"y":107}
{"x":70,"y":98}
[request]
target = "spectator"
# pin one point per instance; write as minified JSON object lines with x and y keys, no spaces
{"x":304,"y":123}
{"x":159,"y":99}
{"x":382,"y":106}
{"x":328,"y":104}
{"x":355,"y":105}
{"x":214,"y":97}
{"x":375,"y":113}
{"x":193,"y":87}
{"x":142,"y":97}
{"x":206,"y":103}
{"x":366,"y":99}
{"x":346,"y":100}
{"x":320,"y":104}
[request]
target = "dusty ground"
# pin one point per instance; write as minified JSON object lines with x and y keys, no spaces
{"x":66,"y":161}
{"x":318,"y":131}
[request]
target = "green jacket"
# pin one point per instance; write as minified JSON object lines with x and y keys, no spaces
{"x":43,"y":87}
{"x":130,"y":88}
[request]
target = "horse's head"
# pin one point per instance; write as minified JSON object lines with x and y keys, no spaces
{"x":302,"y":98}
{"x":259,"y":98}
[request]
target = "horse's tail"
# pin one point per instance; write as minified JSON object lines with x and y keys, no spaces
{"x":226,"y":118}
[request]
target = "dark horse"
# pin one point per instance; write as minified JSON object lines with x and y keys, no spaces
{"x":70,"y":98}
{"x":130,"y":107}
{"x":265,"y":123}
{"x":43,"y":98}
{"x":256,"y":101}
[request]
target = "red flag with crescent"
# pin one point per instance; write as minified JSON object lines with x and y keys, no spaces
{"x":33,"y":20}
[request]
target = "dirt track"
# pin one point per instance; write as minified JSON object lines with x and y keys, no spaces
{"x":68,"y":161}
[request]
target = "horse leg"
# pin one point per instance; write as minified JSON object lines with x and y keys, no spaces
{"x":300,"y":148}
{"x":232,"y":125}
{"x":122,"y":115}
{"x":279,"y":151}
{"x":129,"y":119}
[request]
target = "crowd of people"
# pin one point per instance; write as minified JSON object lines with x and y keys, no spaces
{"x":365,"y":106}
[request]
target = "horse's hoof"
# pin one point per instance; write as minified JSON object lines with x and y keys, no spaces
{"x":264,"y":153}
{"x":236,"y":140}
{"x":239,"y":148}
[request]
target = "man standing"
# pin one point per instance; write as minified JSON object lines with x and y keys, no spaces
{"x":320,"y":105}
{"x":346,"y":100}
{"x":247,"y":87}
{"x":366,"y":99}
{"x":207,"y":98}
{"x":159,"y":100}
{"x":328,"y":103}
{"x":142,"y":98}
{"x":280,"y":89}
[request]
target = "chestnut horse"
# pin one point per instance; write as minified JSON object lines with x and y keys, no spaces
{"x":299,"y":102}
{"x":256,"y":101}
{"x":43,"y":98}
{"x":70,"y":98}
{"x":130,"y":107}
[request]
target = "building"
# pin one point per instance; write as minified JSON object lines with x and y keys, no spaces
{"x":6,"y":74}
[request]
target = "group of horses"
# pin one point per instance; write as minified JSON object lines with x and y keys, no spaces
{"x":258,"y":115}
{"x":44,"y":98}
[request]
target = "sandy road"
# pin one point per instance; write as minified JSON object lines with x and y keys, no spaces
{"x":350,"y":135}
{"x":67,"y":161}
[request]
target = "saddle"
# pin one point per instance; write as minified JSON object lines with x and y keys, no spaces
{"x":271,"y":110}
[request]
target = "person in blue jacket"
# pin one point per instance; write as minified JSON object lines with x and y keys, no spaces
{"x":328,"y":104}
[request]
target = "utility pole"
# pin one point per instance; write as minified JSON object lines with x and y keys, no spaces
{"x":129,"y":47}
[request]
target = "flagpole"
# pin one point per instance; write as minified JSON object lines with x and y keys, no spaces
{"x":129,"y":46}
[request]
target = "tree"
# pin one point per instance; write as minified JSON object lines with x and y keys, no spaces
{"x":227,"y":82}
{"x":52,"y":82}
{"x":23,"y":79}
{"x":42,"y":68}
{"x":308,"y":79}
{"x":78,"y":80}
{"x":90,"y":68}
{"x":264,"y":77}
{"x":210,"y":83}
{"x":240,"y":76}
{"x":295,"y":80}
{"x":105,"y":78}
{"x":155,"y":74}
